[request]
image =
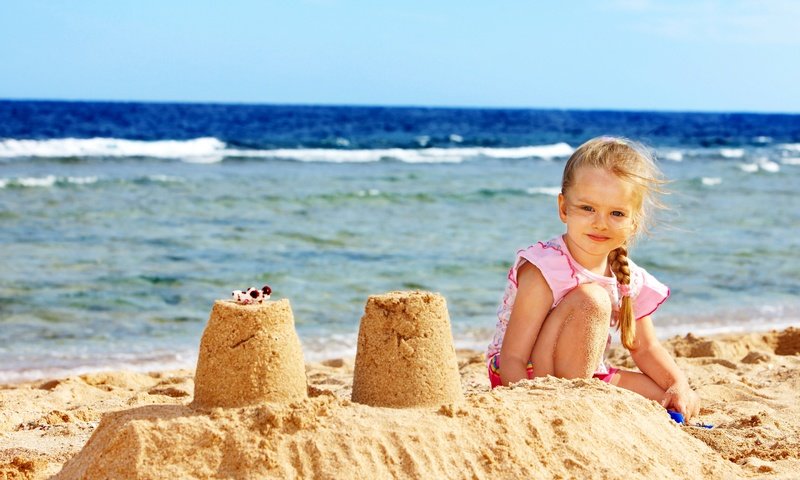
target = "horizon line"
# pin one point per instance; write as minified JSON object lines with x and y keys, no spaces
{"x":400,"y":106}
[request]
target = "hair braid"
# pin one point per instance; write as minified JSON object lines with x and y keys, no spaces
{"x":618,"y":260}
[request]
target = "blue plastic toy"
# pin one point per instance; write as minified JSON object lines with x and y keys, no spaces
{"x":678,"y":417}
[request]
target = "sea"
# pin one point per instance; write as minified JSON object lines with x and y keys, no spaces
{"x":121,"y":223}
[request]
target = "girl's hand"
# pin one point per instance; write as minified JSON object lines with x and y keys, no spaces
{"x":682,"y":398}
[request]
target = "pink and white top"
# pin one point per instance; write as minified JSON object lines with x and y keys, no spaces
{"x":562,"y":273}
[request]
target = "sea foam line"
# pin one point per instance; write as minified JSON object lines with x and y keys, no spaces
{"x":45,"y":181}
{"x":423,"y":155}
{"x":110,"y":147}
{"x":212,"y":150}
{"x":52,"y":180}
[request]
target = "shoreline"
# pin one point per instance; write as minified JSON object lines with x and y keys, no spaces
{"x":748,"y":383}
{"x":184,"y":358}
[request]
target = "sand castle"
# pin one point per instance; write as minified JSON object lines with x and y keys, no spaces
{"x":249,"y":354}
{"x":405,"y":355}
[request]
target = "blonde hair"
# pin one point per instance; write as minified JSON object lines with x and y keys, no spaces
{"x":633,"y":162}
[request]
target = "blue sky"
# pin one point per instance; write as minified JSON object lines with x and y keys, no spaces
{"x":698,"y":55}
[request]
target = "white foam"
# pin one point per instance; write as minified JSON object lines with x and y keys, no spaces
{"x":793,"y":147}
{"x":111,"y":147}
{"x":456,"y":138}
{"x":791,"y":161}
{"x":164,"y":179}
{"x":83,"y":364}
{"x":351,"y":156}
{"x":769,"y":166}
{"x":732,"y":152}
{"x":82,"y":180}
{"x":673,"y":155}
{"x":337,"y":345}
{"x":212,"y":150}
{"x":47,"y":181}
{"x":557,"y":150}
{"x":422,"y":155}
{"x":550,"y":191}
{"x":711,"y":181}
{"x":204,"y":159}
{"x":709,"y":328}
{"x":761,"y":164}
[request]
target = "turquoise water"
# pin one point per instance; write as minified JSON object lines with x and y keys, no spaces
{"x":120,"y":262}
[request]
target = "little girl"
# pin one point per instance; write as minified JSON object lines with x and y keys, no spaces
{"x":562,"y":294}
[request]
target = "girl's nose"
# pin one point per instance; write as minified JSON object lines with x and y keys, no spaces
{"x":600,"y":222}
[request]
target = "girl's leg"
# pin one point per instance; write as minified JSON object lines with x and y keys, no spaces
{"x":573,"y":335}
{"x":639,"y":383}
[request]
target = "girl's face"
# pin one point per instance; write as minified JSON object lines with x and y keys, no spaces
{"x":598,"y":209}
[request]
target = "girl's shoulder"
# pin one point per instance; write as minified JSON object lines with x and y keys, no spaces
{"x":553,"y":263}
{"x":549,"y":256}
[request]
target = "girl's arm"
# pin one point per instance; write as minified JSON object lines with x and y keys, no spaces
{"x":531,"y":306}
{"x":655,"y":362}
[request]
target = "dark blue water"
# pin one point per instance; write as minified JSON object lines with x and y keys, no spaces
{"x":277,"y":126}
{"x":121,"y":223}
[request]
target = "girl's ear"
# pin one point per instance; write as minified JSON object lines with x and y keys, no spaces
{"x":562,"y":208}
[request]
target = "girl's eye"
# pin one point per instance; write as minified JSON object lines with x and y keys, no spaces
{"x":587,"y":208}
{"x":617,"y":213}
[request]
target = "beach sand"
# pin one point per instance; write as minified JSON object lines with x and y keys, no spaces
{"x":144,"y":426}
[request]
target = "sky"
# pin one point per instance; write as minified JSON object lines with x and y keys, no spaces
{"x":701,"y":55}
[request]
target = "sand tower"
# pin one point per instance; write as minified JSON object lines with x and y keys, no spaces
{"x":249,"y":354}
{"x":405,"y":355}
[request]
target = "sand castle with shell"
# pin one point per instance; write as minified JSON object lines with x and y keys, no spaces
{"x":253,"y":416}
{"x":250,"y":354}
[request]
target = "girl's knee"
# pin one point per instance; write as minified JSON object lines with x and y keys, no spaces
{"x":591,"y":299}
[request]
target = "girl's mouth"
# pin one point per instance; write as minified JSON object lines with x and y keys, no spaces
{"x":598,"y":238}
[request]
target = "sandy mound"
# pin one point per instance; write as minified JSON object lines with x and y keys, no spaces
{"x":249,"y":354}
{"x":545,"y":429}
{"x":405,"y":355}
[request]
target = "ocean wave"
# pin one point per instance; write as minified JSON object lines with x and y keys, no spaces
{"x":48,"y":181}
{"x":212,"y":150}
{"x":422,"y":155}
{"x":672,"y":155}
{"x":731,"y":152}
{"x":792,"y":147}
{"x":198,"y":148}
{"x":66,"y":365}
{"x":549,"y":191}
{"x":82,"y":180}
{"x":710,"y":181}
{"x":159,"y":179}
{"x":761,"y":164}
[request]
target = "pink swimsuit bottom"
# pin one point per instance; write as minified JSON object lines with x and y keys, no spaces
{"x":494,"y":372}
